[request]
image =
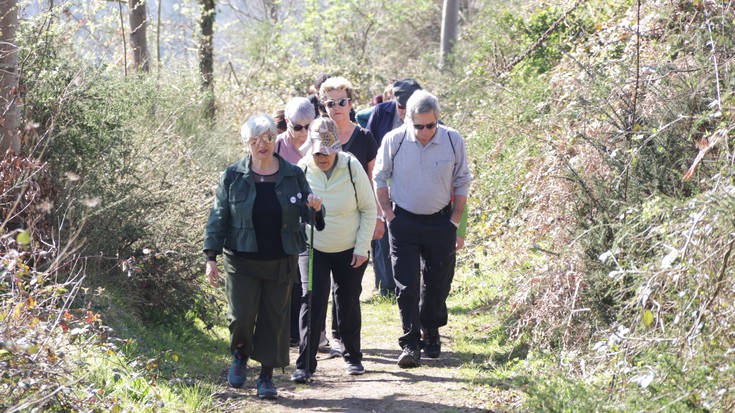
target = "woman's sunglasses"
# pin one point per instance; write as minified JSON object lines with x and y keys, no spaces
{"x":299,"y":128}
{"x":331,"y":103}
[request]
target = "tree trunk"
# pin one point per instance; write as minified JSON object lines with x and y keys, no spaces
{"x":138,"y":39}
{"x":9,"y":110}
{"x":206,"y":54}
{"x":450,"y":20}
{"x":271,"y":7}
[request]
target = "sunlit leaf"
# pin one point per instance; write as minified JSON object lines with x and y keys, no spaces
{"x":24,"y":238}
{"x":648,"y":318}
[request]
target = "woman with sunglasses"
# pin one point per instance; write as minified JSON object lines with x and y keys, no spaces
{"x":337,"y":93}
{"x":341,"y":249}
{"x":255,"y":224}
{"x":299,"y":113}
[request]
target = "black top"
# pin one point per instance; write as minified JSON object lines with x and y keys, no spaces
{"x":267,"y":218}
{"x":363,"y":146}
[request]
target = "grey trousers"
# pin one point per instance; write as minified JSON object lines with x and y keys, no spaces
{"x":258,"y":307}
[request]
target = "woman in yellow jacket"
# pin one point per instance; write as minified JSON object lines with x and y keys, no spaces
{"x":341,"y":248}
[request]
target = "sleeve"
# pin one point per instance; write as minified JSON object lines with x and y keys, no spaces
{"x":462,"y":175}
{"x":374,"y":121}
{"x":367,"y":207}
{"x":371,"y":145}
{"x":219,"y":215}
{"x":383,"y":168}
{"x":306,"y":212}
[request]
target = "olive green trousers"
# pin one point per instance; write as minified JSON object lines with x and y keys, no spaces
{"x":258,"y":307}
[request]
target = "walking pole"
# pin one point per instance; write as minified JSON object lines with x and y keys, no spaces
{"x":312,"y":219}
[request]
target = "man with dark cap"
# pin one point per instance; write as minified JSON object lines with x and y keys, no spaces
{"x":389,"y":115}
{"x":386,"y":117}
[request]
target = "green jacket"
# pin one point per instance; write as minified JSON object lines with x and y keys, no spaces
{"x":230,"y":223}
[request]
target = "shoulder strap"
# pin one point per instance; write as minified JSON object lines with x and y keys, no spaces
{"x":454,"y":151}
{"x":354,"y":188}
{"x":393,"y":157}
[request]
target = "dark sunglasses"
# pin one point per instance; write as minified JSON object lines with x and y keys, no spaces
{"x":401,"y":107}
{"x":331,"y":103}
{"x":299,"y":128}
{"x":428,"y":126}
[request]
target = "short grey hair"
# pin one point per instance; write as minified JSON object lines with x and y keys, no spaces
{"x":256,"y":126}
{"x":422,"y":101}
{"x":299,"y":109}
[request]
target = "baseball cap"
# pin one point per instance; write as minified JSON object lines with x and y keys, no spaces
{"x":403,"y":89}
{"x":323,"y":137}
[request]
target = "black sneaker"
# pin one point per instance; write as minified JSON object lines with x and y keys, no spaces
{"x":432,"y":344}
{"x":410,"y":357}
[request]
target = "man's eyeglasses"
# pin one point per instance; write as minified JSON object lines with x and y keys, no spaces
{"x":428,"y":126}
{"x":299,"y":128}
{"x":265,"y":137}
{"x":342,"y":102}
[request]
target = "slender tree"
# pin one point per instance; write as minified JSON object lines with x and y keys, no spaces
{"x":206,"y":53}
{"x":138,"y":31}
{"x":450,"y":20}
{"x":271,"y":8}
{"x":9,"y":111}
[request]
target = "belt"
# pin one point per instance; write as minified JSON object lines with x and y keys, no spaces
{"x":447,"y":210}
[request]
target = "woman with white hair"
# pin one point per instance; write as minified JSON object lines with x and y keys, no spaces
{"x":299,"y":113}
{"x":255,"y":224}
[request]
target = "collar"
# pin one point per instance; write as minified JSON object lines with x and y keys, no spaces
{"x":243,"y":166}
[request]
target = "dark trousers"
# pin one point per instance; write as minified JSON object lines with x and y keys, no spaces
{"x":347,"y":289}
{"x":382,"y":266}
{"x":296,"y":294}
{"x":415,"y":240}
{"x":258,"y":299}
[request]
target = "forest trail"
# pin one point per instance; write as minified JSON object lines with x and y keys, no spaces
{"x":436,"y":386}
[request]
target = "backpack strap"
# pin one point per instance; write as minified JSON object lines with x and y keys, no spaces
{"x":403,"y":138}
{"x":354,"y":188}
{"x":352,"y":179}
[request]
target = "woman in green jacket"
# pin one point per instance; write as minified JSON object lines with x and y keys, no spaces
{"x":255,"y":223}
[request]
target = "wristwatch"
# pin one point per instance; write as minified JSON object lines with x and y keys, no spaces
{"x":381,"y":217}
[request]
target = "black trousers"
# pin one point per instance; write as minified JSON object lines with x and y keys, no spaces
{"x":422,"y":245}
{"x":347,"y":289}
{"x":296,"y":294}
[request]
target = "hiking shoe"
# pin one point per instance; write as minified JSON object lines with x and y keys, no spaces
{"x":238,"y":369}
{"x":432,"y":344}
{"x":335,"y":349}
{"x":410,"y":357}
{"x":299,"y":376}
{"x":266,"y":388}
{"x":354,"y":369}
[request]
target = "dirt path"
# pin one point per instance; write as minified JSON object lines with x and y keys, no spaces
{"x":435,"y":386}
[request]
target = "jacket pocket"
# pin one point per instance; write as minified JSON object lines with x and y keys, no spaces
{"x":240,"y":214}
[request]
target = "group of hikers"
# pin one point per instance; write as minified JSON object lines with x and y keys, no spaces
{"x":295,"y":219}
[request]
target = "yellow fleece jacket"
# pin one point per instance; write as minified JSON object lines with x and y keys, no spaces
{"x":349,"y":220}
